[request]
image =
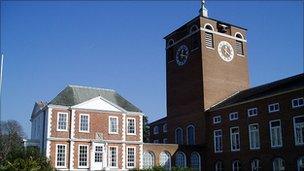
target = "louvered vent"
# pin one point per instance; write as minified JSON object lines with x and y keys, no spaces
{"x":209,"y":40}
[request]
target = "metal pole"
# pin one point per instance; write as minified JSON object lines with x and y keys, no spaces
{"x":1,"y":69}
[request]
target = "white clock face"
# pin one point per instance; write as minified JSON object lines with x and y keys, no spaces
{"x":225,"y":51}
{"x":182,"y":55}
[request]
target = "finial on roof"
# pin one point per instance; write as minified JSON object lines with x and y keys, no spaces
{"x":203,"y":10}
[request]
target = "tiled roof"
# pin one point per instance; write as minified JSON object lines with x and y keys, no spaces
{"x":73,"y":95}
{"x":287,"y":84}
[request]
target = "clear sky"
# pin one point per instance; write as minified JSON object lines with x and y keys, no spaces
{"x":119,"y":45}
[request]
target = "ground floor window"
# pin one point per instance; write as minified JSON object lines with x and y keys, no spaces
{"x":278,"y":164}
{"x":83,"y":156}
{"x":236,"y":165}
{"x":113,"y":156}
{"x":219,"y":166}
{"x":255,"y":165}
{"x":195,"y":161}
{"x":165,"y":160}
{"x":148,"y":160}
{"x":131,"y":157}
{"x":60,"y":157}
{"x":180,"y":160}
{"x":300,"y":164}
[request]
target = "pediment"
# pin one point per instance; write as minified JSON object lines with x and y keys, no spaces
{"x":97,"y":103}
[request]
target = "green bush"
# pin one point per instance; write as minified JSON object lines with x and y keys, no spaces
{"x":21,"y":159}
{"x":159,"y":168}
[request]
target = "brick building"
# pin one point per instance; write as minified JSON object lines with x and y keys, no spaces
{"x":214,"y":121}
{"x":219,"y":122}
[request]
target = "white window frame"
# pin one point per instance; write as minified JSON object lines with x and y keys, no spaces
{"x":165,"y":140}
{"x":182,"y":135}
{"x":80,"y":123}
{"x":214,"y":141}
{"x":239,"y":139}
{"x":168,"y":162}
{"x":217,"y":119}
{"x":233,"y":116}
{"x":65,"y":156}
{"x":253,"y":132}
{"x":281,"y":160}
{"x":66,"y":121}
{"x":184,"y":163}
{"x":199,"y":160}
{"x":165,"y":128}
{"x":110,"y":157}
{"x":297,"y":99}
{"x":148,"y":163}
{"x":275,"y":110}
{"x":255,"y":165}
{"x":271,"y":140}
{"x":252,"y":109}
{"x":156,"y":130}
{"x":88,"y":160}
{"x":191,"y":125}
{"x":295,"y":132}
{"x":127,"y":157}
{"x":218,"y":166}
{"x":109,"y":123}
{"x":236,"y":165}
{"x":298,"y":163}
{"x":128,"y":120}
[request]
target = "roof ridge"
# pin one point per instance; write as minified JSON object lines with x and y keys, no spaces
{"x":88,"y":87}
{"x":273,"y":82}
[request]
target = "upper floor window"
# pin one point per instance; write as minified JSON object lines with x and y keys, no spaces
{"x":62,"y":119}
{"x":219,"y":166}
{"x":217,"y":119}
{"x":299,"y":102}
{"x":165,"y":140}
{"x":236,"y":165}
{"x":165,"y":128}
{"x":113,"y":125}
{"x":170,"y":42}
{"x":178,"y":136}
{"x":252,"y":112}
{"x":298,"y":124}
{"x":191,"y":135}
{"x":155,"y":141}
{"x":217,"y":141}
{"x":278,"y":164}
{"x":254,"y":136}
{"x":273,"y":107}
{"x":209,"y":27}
{"x":84,"y":123}
{"x":239,"y":44}
{"x":209,"y":40}
{"x":235,"y":138}
{"x":233,"y":116}
{"x":193,"y":29}
{"x":61,"y":156}
{"x":275,"y":133}
{"x":255,"y":165}
{"x":155,"y":130}
{"x":180,"y":160}
{"x":131,"y":126}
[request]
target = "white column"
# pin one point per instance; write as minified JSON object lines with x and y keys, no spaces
{"x":72,"y":129}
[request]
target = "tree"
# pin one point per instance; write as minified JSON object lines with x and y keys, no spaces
{"x":11,"y":138}
{"x":146,"y":130}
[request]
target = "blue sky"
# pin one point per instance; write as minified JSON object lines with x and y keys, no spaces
{"x":119,"y":45}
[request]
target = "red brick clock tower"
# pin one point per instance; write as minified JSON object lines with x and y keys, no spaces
{"x":206,"y":62}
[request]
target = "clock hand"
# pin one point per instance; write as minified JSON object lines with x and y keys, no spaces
{"x":227,"y":52}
